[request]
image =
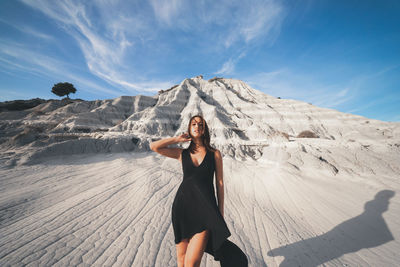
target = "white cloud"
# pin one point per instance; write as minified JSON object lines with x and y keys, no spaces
{"x":260,"y":19}
{"x":285,"y":84}
{"x":227,"y":68}
{"x":103,"y":40}
{"x":8,"y":95}
{"x":21,"y":58}
{"x":234,"y":20}
{"x":350,"y":96}
{"x":251,"y":21}
{"x":343,"y":92}
{"x":28,"y":30}
{"x":108,"y":31}
{"x":380,"y":101}
{"x":166,"y":10}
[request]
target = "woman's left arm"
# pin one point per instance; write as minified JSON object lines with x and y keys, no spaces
{"x":219,"y":181}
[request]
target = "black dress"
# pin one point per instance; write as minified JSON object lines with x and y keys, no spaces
{"x":195,"y":209}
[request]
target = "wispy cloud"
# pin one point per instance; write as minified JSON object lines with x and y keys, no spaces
{"x":21,"y":58}
{"x":383,"y":71}
{"x":357,"y":95}
{"x":252,"y":22}
{"x":103,"y":41}
{"x":28,"y":30}
{"x":234,"y":20}
{"x":8,"y":95}
{"x":285,"y":84}
{"x":261,"y":19}
{"x":167,"y":10}
{"x":131,"y":47}
{"x":376,"y":102}
{"x":106,"y":31}
{"x":225,"y":24}
{"x":228,"y":67}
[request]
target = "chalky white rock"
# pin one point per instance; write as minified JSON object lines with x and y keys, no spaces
{"x":79,"y":185}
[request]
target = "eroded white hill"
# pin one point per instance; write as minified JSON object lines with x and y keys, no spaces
{"x":242,"y":121}
{"x":66,"y":197}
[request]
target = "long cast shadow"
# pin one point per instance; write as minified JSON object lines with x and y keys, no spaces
{"x":366,"y":230}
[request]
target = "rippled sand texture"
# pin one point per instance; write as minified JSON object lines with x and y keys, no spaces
{"x":115,"y":210}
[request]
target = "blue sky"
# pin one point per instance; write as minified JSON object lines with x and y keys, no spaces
{"x":343,"y":55}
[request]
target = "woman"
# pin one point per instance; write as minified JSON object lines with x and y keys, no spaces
{"x":197,"y":220}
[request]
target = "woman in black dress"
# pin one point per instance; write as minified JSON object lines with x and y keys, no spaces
{"x":197,"y":220}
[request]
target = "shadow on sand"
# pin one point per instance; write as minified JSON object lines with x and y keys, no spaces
{"x":366,"y":230}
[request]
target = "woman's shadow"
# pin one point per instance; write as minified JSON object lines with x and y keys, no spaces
{"x":367,"y":230}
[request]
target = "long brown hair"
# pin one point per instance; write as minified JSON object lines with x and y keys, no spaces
{"x":205,"y":137}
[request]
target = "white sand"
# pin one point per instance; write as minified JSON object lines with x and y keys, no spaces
{"x":298,"y":202}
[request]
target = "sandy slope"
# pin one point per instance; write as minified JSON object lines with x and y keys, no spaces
{"x":68,"y":198}
{"x":115,"y":209}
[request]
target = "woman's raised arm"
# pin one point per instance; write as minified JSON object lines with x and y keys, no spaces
{"x":161,"y":146}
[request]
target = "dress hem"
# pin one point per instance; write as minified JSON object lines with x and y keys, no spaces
{"x":191,"y":234}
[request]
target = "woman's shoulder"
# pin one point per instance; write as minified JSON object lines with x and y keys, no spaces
{"x":217,"y":153}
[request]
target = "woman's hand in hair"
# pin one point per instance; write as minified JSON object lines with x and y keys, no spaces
{"x":185,"y":137}
{"x":161,"y":146}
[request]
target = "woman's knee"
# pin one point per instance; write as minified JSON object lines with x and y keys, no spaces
{"x":181,"y":261}
{"x":181,"y":249}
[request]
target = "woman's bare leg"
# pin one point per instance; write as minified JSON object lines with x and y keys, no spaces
{"x":181,"y":251}
{"x":195,"y":249}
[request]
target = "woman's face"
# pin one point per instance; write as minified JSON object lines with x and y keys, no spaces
{"x":196,"y":127}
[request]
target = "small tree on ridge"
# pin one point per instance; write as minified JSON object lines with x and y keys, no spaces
{"x":62,"y":89}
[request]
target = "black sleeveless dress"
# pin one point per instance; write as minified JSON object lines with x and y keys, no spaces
{"x":195,"y":209}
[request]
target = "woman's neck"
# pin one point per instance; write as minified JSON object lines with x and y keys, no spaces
{"x":198,"y":143}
